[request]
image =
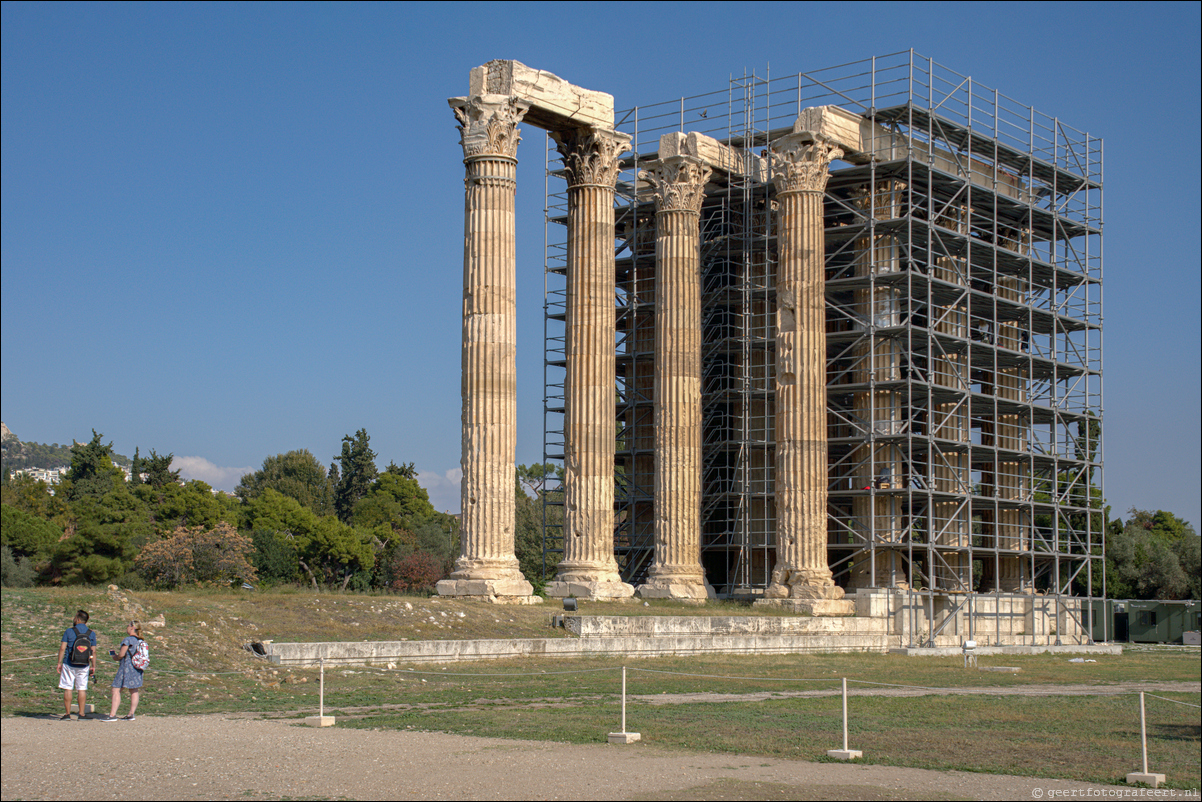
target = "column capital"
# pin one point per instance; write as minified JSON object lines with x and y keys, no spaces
{"x":679,"y":183}
{"x":801,"y":162}
{"x":590,"y":155}
{"x":488,"y":124}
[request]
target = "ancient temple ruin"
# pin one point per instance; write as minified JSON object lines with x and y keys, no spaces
{"x":830,"y":340}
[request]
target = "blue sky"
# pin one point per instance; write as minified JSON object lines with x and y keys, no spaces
{"x":230,"y":231}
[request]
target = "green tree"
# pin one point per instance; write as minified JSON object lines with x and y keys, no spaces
{"x":27,"y":535}
{"x":536,"y":486}
{"x":275,"y":557}
{"x":135,"y":468}
{"x":357,"y":465}
{"x":158,"y":470}
{"x":1154,"y":555}
{"x":395,"y":498}
{"x":296,"y":474}
{"x":34,"y":497}
{"x":528,"y":538}
{"x":92,"y":472}
{"x":94,"y":554}
{"x":16,"y":572}
{"x":173,"y":505}
{"x":328,"y":551}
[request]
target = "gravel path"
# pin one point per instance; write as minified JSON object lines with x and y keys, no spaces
{"x":220,"y":756}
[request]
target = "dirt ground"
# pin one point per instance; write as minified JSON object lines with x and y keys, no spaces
{"x":225,"y":756}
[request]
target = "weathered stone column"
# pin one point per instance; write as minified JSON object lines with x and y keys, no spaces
{"x":487,"y":567}
{"x":801,"y":573}
{"x":676,"y":573}
{"x":588,"y":569}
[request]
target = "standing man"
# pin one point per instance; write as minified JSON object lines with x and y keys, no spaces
{"x":76,"y":660}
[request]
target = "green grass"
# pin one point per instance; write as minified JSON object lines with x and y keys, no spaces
{"x":1093,"y":739}
{"x":199,"y":666}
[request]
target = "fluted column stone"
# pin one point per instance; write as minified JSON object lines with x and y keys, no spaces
{"x":487,"y":567}
{"x":588,"y":569}
{"x":801,"y":161}
{"x":676,"y":571}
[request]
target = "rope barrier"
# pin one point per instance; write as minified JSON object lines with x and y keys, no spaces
{"x":1174,"y":701}
{"x":21,"y":659}
{"x":724,"y":676}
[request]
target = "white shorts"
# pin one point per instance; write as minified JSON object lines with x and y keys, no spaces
{"x":73,"y":679}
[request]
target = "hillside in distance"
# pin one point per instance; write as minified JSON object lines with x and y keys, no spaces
{"x":16,"y":455}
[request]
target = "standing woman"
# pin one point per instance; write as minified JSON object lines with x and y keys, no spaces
{"x":128,"y":676}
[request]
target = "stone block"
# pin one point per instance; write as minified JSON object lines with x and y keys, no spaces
{"x":87,"y":709}
{"x":555,"y":104}
{"x":1153,"y":780}
{"x":626,"y":737}
{"x":319,"y":721}
{"x":717,"y":155}
{"x":833,"y":607}
{"x":874,"y":602}
{"x":863,"y":141}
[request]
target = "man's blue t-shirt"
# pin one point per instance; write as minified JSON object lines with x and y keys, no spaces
{"x":69,"y":636}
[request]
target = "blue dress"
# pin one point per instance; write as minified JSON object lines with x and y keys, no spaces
{"x":127,"y":675}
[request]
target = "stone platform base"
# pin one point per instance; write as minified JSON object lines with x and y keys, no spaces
{"x":592,"y":590}
{"x":626,"y":737}
{"x":811,"y":606}
{"x":319,"y":721}
{"x":1019,"y":648}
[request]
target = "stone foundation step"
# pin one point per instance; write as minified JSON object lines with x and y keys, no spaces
{"x":658,"y":626}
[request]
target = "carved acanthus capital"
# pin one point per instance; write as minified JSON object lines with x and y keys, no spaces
{"x":590,"y":155}
{"x":679,"y":183}
{"x":488,"y":124}
{"x":801,"y":162}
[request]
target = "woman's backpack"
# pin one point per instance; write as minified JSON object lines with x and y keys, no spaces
{"x":141,"y":656}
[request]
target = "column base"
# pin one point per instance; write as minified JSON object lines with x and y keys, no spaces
{"x":588,"y":580}
{"x":803,"y":584}
{"x":688,"y":589}
{"x":595,"y":589}
{"x":498,"y":591}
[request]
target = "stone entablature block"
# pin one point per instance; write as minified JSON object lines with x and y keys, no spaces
{"x":555,"y":104}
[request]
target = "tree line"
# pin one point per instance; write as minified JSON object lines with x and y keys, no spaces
{"x":350,"y":526}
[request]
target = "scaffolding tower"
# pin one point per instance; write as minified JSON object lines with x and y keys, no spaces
{"x":964,"y":337}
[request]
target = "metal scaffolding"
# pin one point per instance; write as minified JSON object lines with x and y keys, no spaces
{"x":964,"y":336}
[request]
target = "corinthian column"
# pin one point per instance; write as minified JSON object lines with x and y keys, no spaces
{"x":588,"y":569}
{"x":801,"y":572}
{"x":487,"y":567}
{"x":676,"y":573}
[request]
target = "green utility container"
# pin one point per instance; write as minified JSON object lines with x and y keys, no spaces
{"x":1161,"y":621}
